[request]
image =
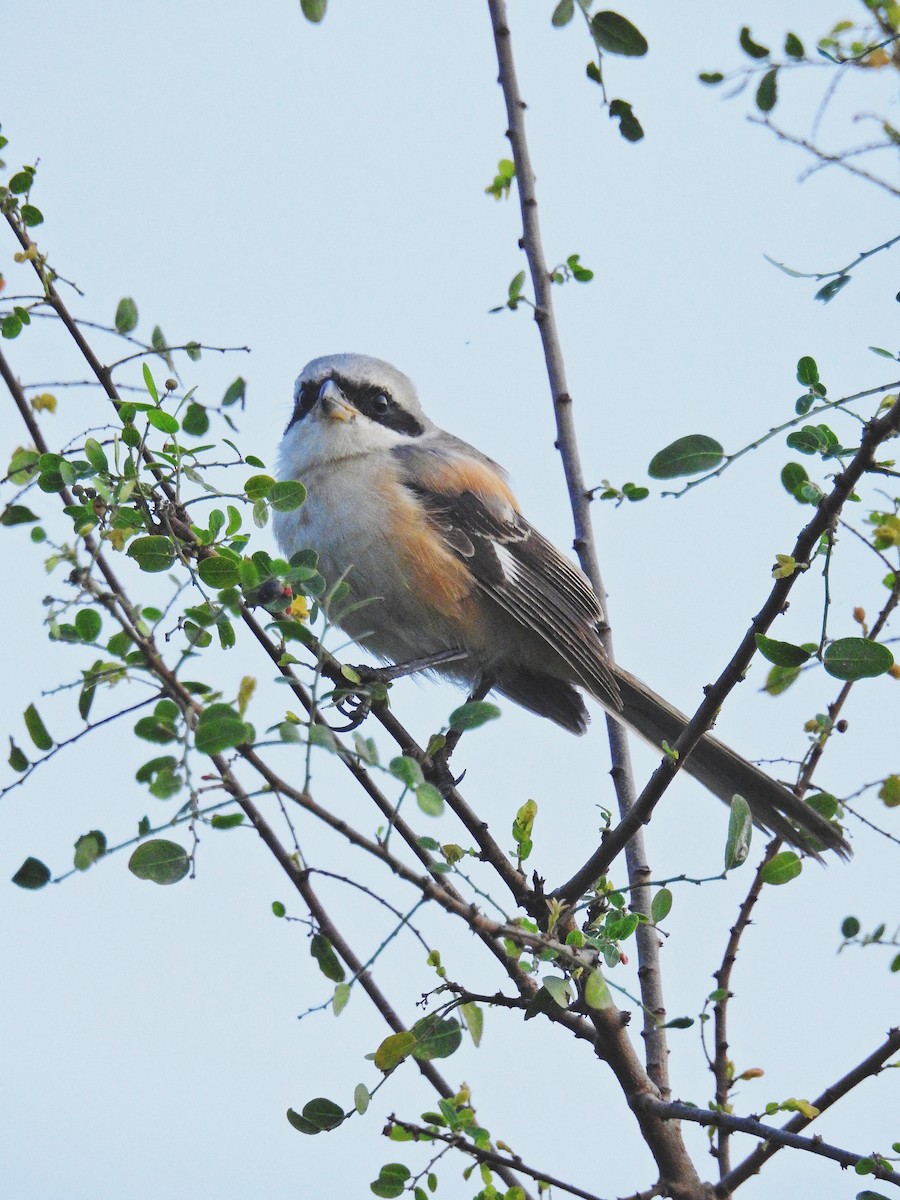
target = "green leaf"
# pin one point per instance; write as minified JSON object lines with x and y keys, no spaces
{"x":767,"y":92}
{"x":850,"y":927}
{"x":857,"y":658}
{"x":163,"y":421}
{"x":220,"y":728}
{"x":196,"y":420}
{"x":474,"y":1019}
{"x":300,"y":1124}
{"x":559,"y":989}
{"x":340,"y":999}
{"x":747,"y":44}
{"x":17,"y":514}
{"x":391,"y":1181}
{"x":780,"y":679}
{"x":629,"y":126}
{"x":218,"y":571}
{"x":711,"y":77}
{"x":150,"y":383}
{"x":407,"y":770}
{"x":126,"y":315}
{"x":393,"y":1050}
{"x":436,"y":1037}
{"x":782,"y":868}
{"x":361,"y":1098}
{"x":313,"y":10}
{"x":227,"y":820}
{"x":31,"y":216}
{"x":32,"y":874}
{"x":596,"y":991}
{"x":18,"y":760}
{"x":782,"y":654}
{"x":329,"y":964}
{"x":429,"y":799}
{"x":829,"y":290}
{"x":323,"y":1113}
{"x":160,"y":861}
{"x":807,"y":371}
{"x":472,"y":714}
{"x":152,"y":554}
{"x":686,"y":456}
{"x":238,"y":389}
{"x":889,"y":792}
{"x":88,"y":848}
{"x":287,"y":495}
{"x":661,"y":905}
{"x":153,"y":729}
{"x":617,"y":35}
{"x":258,"y":487}
{"x":95,"y":454}
{"x":563,"y":13}
{"x":37,"y":730}
{"x":793,"y":47}
{"x":740,"y":833}
{"x":88,"y":623}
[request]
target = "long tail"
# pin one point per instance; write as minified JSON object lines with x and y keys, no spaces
{"x":726,"y":773}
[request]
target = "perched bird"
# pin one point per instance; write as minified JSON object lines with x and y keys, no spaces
{"x":431,"y":542}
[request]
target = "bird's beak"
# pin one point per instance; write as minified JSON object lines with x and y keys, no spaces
{"x":333,"y":404}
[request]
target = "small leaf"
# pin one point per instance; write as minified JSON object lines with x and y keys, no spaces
{"x":850,"y":927}
{"x":436,"y":1037}
{"x":31,"y":216}
{"x":301,"y":1124}
{"x":782,"y":868}
{"x":361,"y":1098}
{"x":687,"y":456}
{"x":329,"y":964}
{"x":407,"y":770}
{"x":220,"y":728}
{"x":793,"y":47}
{"x":152,"y":554}
{"x":393,"y":1050}
{"x":341,"y":996}
{"x":287,"y":495}
{"x":711,"y":77}
{"x":740,"y":833}
{"x":32,"y":874}
{"x":596,"y":991}
{"x":472,"y":714}
{"x":617,"y":35}
{"x":747,"y":44}
{"x":391,"y":1181}
{"x":17,"y":514}
{"x":807,"y":371}
{"x":830,"y":289}
{"x":88,"y":848}
{"x":889,"y":792}
{"x":429,"y":799}
{"x":163,"y":421}
{"x":219,"y":572}
{"x":661,"y":905}
{"x":563,"y":13}
{"x":629,"y":126}
{"x":474,"y":1019}
{"x":17,"y":758}
{"x":323,"y":1113}
{"x":258,"y":487}
{"x":314,"y":10}
{"x":767,"y":92}
{"x":88,"y":623}
{"x":857,"y":658}
{"x":37,"y":730}
{"x":126,"y":318}
{"x":238,"y":389}
{"x":160,"y":861}
{"x":227,"y":820}
{"x":782,"y":654}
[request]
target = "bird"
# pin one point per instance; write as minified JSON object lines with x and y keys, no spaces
{"x":443,"y":569}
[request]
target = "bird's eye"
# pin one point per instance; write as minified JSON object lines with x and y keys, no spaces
{"x":380,"y":405}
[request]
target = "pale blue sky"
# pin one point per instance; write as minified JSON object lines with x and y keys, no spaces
{"x":250,"y":179}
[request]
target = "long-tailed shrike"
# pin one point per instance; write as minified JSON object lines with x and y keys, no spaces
{"x":425,"y":528}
